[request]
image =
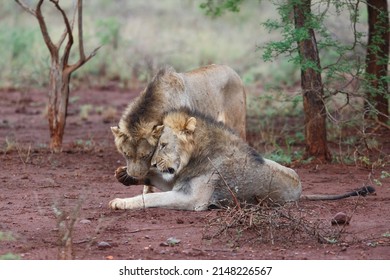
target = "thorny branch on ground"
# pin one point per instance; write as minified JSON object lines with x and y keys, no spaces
{"x":269,"y":224}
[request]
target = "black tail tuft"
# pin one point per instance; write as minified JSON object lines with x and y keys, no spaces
{"x":365,"y":191}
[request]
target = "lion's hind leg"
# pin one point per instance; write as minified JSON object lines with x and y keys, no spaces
{"x":285,"y":184}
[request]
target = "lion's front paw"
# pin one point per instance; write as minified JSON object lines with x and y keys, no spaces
{"x":124,"y":178}
{"x":121,"y":174}
{"x":117,"y":204}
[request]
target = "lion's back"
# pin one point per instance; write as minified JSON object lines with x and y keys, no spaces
{"x":218,"y":91}
{"x":214,"y":90}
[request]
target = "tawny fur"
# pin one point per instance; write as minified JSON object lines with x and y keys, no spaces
{"x":202,"y":163}
{"x":215,"y":90}
{"x":206,"y":164}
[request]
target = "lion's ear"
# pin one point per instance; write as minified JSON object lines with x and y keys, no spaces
{"x":115,"y":130}
{"x":157,"y":130}
{"x":190,"y":125}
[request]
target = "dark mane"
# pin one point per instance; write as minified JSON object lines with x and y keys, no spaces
{"x":147,"y":106}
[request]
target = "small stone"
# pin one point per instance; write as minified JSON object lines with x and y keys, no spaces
{"x":103,"y":245}
{"x":171,"y":241}
{"x":85,"y":221}
{"x":340,"y":219}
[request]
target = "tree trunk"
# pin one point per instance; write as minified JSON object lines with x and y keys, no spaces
{"x":377,"y":59}
{"x":312,"y":88}
{"x":58,"y":104}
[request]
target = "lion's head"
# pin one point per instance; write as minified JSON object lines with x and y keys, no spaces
{"x":138,"y":131}
{"x":175,"y":145}
{"x":137,"y":146}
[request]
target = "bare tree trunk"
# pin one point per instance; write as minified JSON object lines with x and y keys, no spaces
{"x":312,"y":88}
{"x":377,"y":60}
{"x":57,"y":105}
{"x":54,"y":92}
{"x":60,"y":70}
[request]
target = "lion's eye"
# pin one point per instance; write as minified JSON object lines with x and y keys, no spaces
{"x":163,"y":145}
{"x":146,"y":156}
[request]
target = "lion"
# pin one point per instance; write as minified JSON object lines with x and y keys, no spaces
{"x":214,"y":90}
{"x":204,"y":165}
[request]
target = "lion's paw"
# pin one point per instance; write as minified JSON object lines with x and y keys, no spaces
{"x":117,"y":204}
{"x":124,"y":178}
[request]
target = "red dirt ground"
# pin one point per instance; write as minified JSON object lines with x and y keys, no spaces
{"x":40,"y":191}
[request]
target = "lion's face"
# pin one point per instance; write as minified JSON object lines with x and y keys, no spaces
{"x":137,"y":149}
{"x":175,"y":145}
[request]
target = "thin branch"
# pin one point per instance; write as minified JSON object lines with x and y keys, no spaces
{"x":42,"y":24}
{"x":80,"y":63}
{"x":68,"y":47}
{"x":63,"y":36}
{"x":80,"y":28}
{"x":83,"y":59}
{"x":26,"y":7}
{"x":383,"y":124}
{"x":157,"y":228}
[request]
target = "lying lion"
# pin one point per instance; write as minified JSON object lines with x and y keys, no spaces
{"x":215,"y":90}
{"x":203,"y":164}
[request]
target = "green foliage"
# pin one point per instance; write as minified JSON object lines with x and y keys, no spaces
{"x":332,"y":50}
{"x":137,"y":38}
{"x":273,"y":118}
{"x":383,"y":175}
{"x":9,"y":256}
{"x":217,"y":8}
{"x":109,"y":31}
{"x":19,"y":60}
{"x":7,"y":236}
{"x":285,"y":156}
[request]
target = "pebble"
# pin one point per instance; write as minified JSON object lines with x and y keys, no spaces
{"x":340,"y":219}
{"x":103,"y":245}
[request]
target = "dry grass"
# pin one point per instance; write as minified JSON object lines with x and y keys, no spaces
{"x":288,"y":224}
{"x":66,"y":220}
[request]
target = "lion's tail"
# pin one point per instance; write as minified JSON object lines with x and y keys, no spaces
{"x":358,"y":192}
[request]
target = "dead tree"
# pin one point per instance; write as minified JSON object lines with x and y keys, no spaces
{"x":60,"y":69}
